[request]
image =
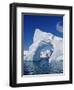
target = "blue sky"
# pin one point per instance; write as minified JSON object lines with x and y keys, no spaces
{"x":51,"y":23}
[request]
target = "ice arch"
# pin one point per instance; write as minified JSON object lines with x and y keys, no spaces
{"x":44,"y":40}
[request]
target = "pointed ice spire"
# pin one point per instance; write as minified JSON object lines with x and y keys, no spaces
{"x":37,"y":35}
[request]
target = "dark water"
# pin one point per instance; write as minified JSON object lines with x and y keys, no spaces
{"x":43,"y":67}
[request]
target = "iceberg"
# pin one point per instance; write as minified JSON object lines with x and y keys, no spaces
{"x":44,"y":44}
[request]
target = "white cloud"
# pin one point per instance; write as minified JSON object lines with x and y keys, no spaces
{"x":59,"y":27}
